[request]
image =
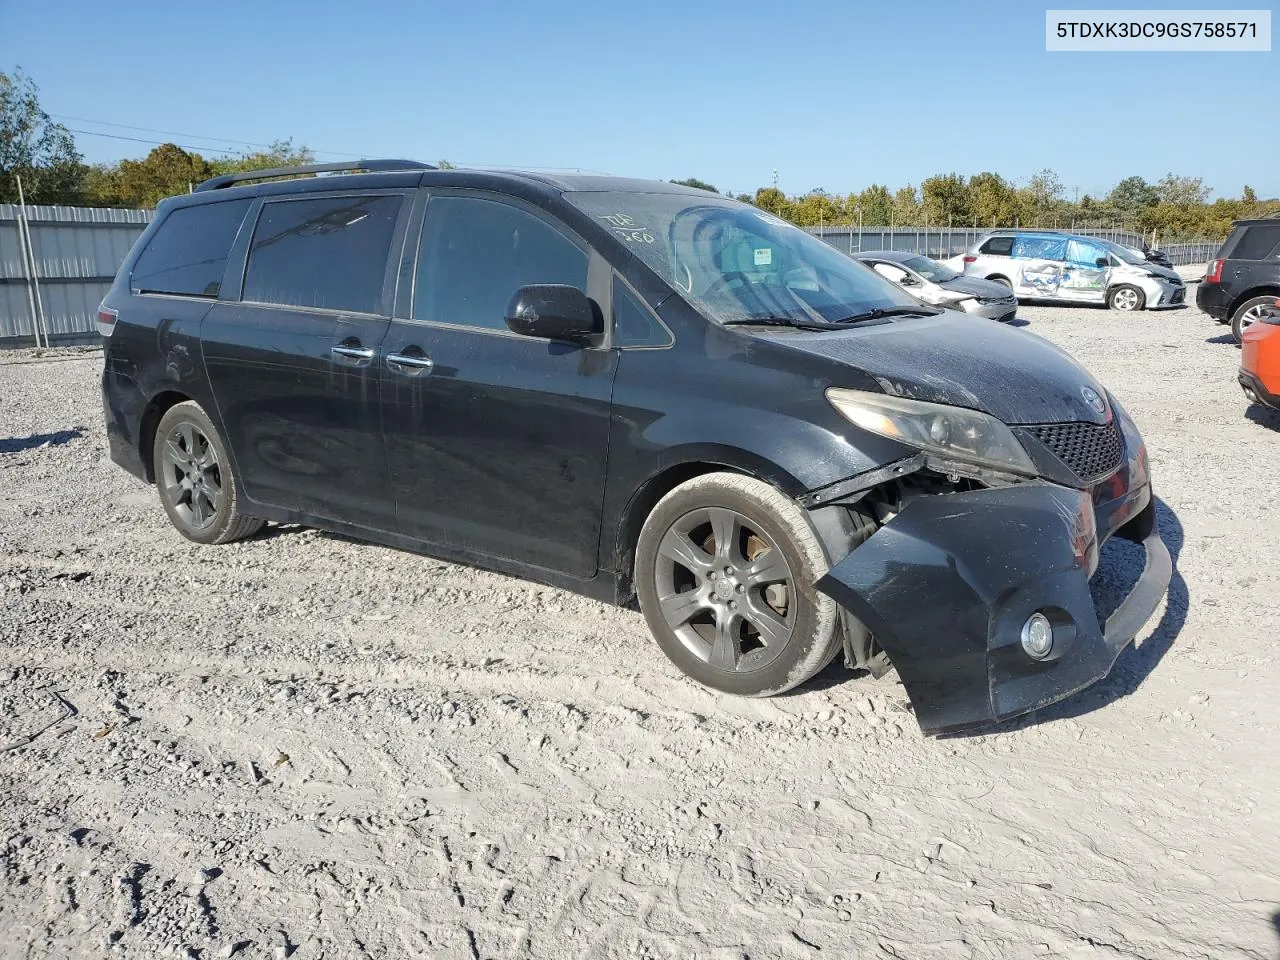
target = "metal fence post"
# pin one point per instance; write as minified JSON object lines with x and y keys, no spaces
{"x":35,"y":273}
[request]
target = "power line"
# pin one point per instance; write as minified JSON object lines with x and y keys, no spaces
{"x":116,"y":136}
{"x":175,"y":133}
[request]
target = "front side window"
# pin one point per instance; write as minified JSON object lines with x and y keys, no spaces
{"x":930,"y":269}
{"x":188,"y":253}
{"x":477,"y":252}
{"x":329,"y":253}
{"x":735,"y":262}
{"x":1085,"y":254}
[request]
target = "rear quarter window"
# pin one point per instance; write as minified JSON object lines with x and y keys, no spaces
{"x":1257,"y":241}
{"x":187,"y":254}
{"x":998,"y":247}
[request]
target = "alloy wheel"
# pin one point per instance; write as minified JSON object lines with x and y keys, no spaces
{"x":1125,"y":300}
{"x":725,"y":589}
{"x":192,"y":475}
{"x":1252,"y":316}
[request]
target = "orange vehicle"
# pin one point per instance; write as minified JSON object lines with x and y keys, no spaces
{"x":1260,"y":360}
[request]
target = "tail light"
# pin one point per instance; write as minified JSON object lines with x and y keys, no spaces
{"x":1214,"y":273}
{"x":107,"y":320}
{"x":970,"y":259}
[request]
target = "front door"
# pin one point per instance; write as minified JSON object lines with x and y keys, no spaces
{"x":1085,"y":277}
{"x":497,"y":443}
{"x":293,"y":362}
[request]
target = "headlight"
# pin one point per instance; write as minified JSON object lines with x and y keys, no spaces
{"x":953,"y":432}
{"x":962,"y":304}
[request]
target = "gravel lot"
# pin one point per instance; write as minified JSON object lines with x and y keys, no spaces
{"x":305,"y":746}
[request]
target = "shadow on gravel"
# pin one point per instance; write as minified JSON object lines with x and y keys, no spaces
{"x":18,"y":444}
{"x":1275,"y":922}
{"x":1018,"y":322}
{"x":1263,"y":416}
{"x":1223,"y":338}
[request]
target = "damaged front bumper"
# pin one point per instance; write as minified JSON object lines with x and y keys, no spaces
{"x":946,"y":586}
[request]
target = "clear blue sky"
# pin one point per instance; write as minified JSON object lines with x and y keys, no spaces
{"x":832,"y":94}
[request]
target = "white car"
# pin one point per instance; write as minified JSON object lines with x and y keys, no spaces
{"x":1043,"y":265}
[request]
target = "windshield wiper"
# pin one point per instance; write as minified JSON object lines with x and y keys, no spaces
{"x":880,"y":312}
{"x":780,"y":322}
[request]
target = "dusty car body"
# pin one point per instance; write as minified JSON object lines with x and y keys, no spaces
{"x":1046,"y":265}
{"x":939,"y":285}
{"x":636,"y":390}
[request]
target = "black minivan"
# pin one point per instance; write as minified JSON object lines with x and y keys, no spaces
{"x":638,"y":391}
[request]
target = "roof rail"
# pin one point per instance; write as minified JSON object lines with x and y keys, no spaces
{"x":217,"y":183}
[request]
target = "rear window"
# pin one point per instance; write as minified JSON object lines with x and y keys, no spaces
{"x":998,"y":246}
{"x":188,"y":252}
{"x":1257,"y":241}
{"x":329,"y":253}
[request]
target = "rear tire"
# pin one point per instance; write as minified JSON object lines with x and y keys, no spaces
{"x":1249,"y":313}
{"x":1126,"y":298}
{"x":725,"y":567}
{"x":194,"y":478}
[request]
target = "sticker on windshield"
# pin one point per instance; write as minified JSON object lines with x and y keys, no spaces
{"x":764,"y":257}
{"x":772,"y":220}
{"x":626,"y":227}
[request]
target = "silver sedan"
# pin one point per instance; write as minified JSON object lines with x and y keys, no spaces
{"x":939,"y":285}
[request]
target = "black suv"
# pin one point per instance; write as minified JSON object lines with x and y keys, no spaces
{"x":1241,"y":285}
{"x":637,"y":391}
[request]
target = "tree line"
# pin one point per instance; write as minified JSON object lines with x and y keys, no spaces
{"x":44,"y":153}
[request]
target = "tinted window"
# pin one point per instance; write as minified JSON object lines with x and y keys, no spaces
{"x":476,"y":253}
{"x":188,"y":253}
{"x":1258,"y":242}
{"x":1040,"y":248}
{"x":330,"y":252}
{"x":998,"y":246}
{"x":633,"y":325}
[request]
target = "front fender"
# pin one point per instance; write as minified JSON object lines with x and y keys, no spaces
{"x":946,"y":586}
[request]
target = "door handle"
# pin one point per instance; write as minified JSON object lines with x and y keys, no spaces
{"x":410,"y":363}
{"x":352,"y":353}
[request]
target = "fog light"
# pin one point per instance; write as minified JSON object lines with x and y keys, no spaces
{"x":1037,"y":636}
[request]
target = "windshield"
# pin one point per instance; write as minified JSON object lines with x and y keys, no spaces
{"x":1124,"y":253}
{"x":735,"y":262}
{"x":930,"y":269}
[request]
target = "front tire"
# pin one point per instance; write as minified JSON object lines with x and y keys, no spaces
{"x":725,"y":567}
{"x":1249,"y":313}
{"x":1126,"y":298}
{"x":194,"y":478}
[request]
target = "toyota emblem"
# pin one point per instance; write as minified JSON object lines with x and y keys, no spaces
{"x":1094,"y":401}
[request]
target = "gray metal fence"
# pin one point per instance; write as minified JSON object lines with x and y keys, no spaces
{"x":941,"y":243}
{"x":76,"y":252}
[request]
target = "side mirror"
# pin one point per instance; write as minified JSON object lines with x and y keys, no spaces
{"x":555,"y":311}
{"x":1101,"y":261}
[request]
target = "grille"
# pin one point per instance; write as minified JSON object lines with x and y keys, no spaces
{"x":1091,"y":450}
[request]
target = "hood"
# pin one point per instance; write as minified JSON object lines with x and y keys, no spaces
{"x":962,"y":360}
{"x":977,"y":287}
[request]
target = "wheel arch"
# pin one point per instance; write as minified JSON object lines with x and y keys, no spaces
{"x":157,"y":407}
{"x":670,"y":476}
{"x":1263,"y":290}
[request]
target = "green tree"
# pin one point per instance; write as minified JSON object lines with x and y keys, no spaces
{"x":946,"y":199}
{"x":992,"y":201}
{"x":33,"y":147}
{"x":906,"y":207}
{"x":165,"y":171}
{"x":281,"y":153}
{"x":876,"y":204}
{"x":773,"y":200}
{"x":1182,"y":191}
{"x":696,"y":184}
{"x":1132,"y":195}
{"x":1039,"y":198}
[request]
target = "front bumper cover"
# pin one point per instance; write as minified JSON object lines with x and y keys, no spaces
{"x":946,"y":586}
